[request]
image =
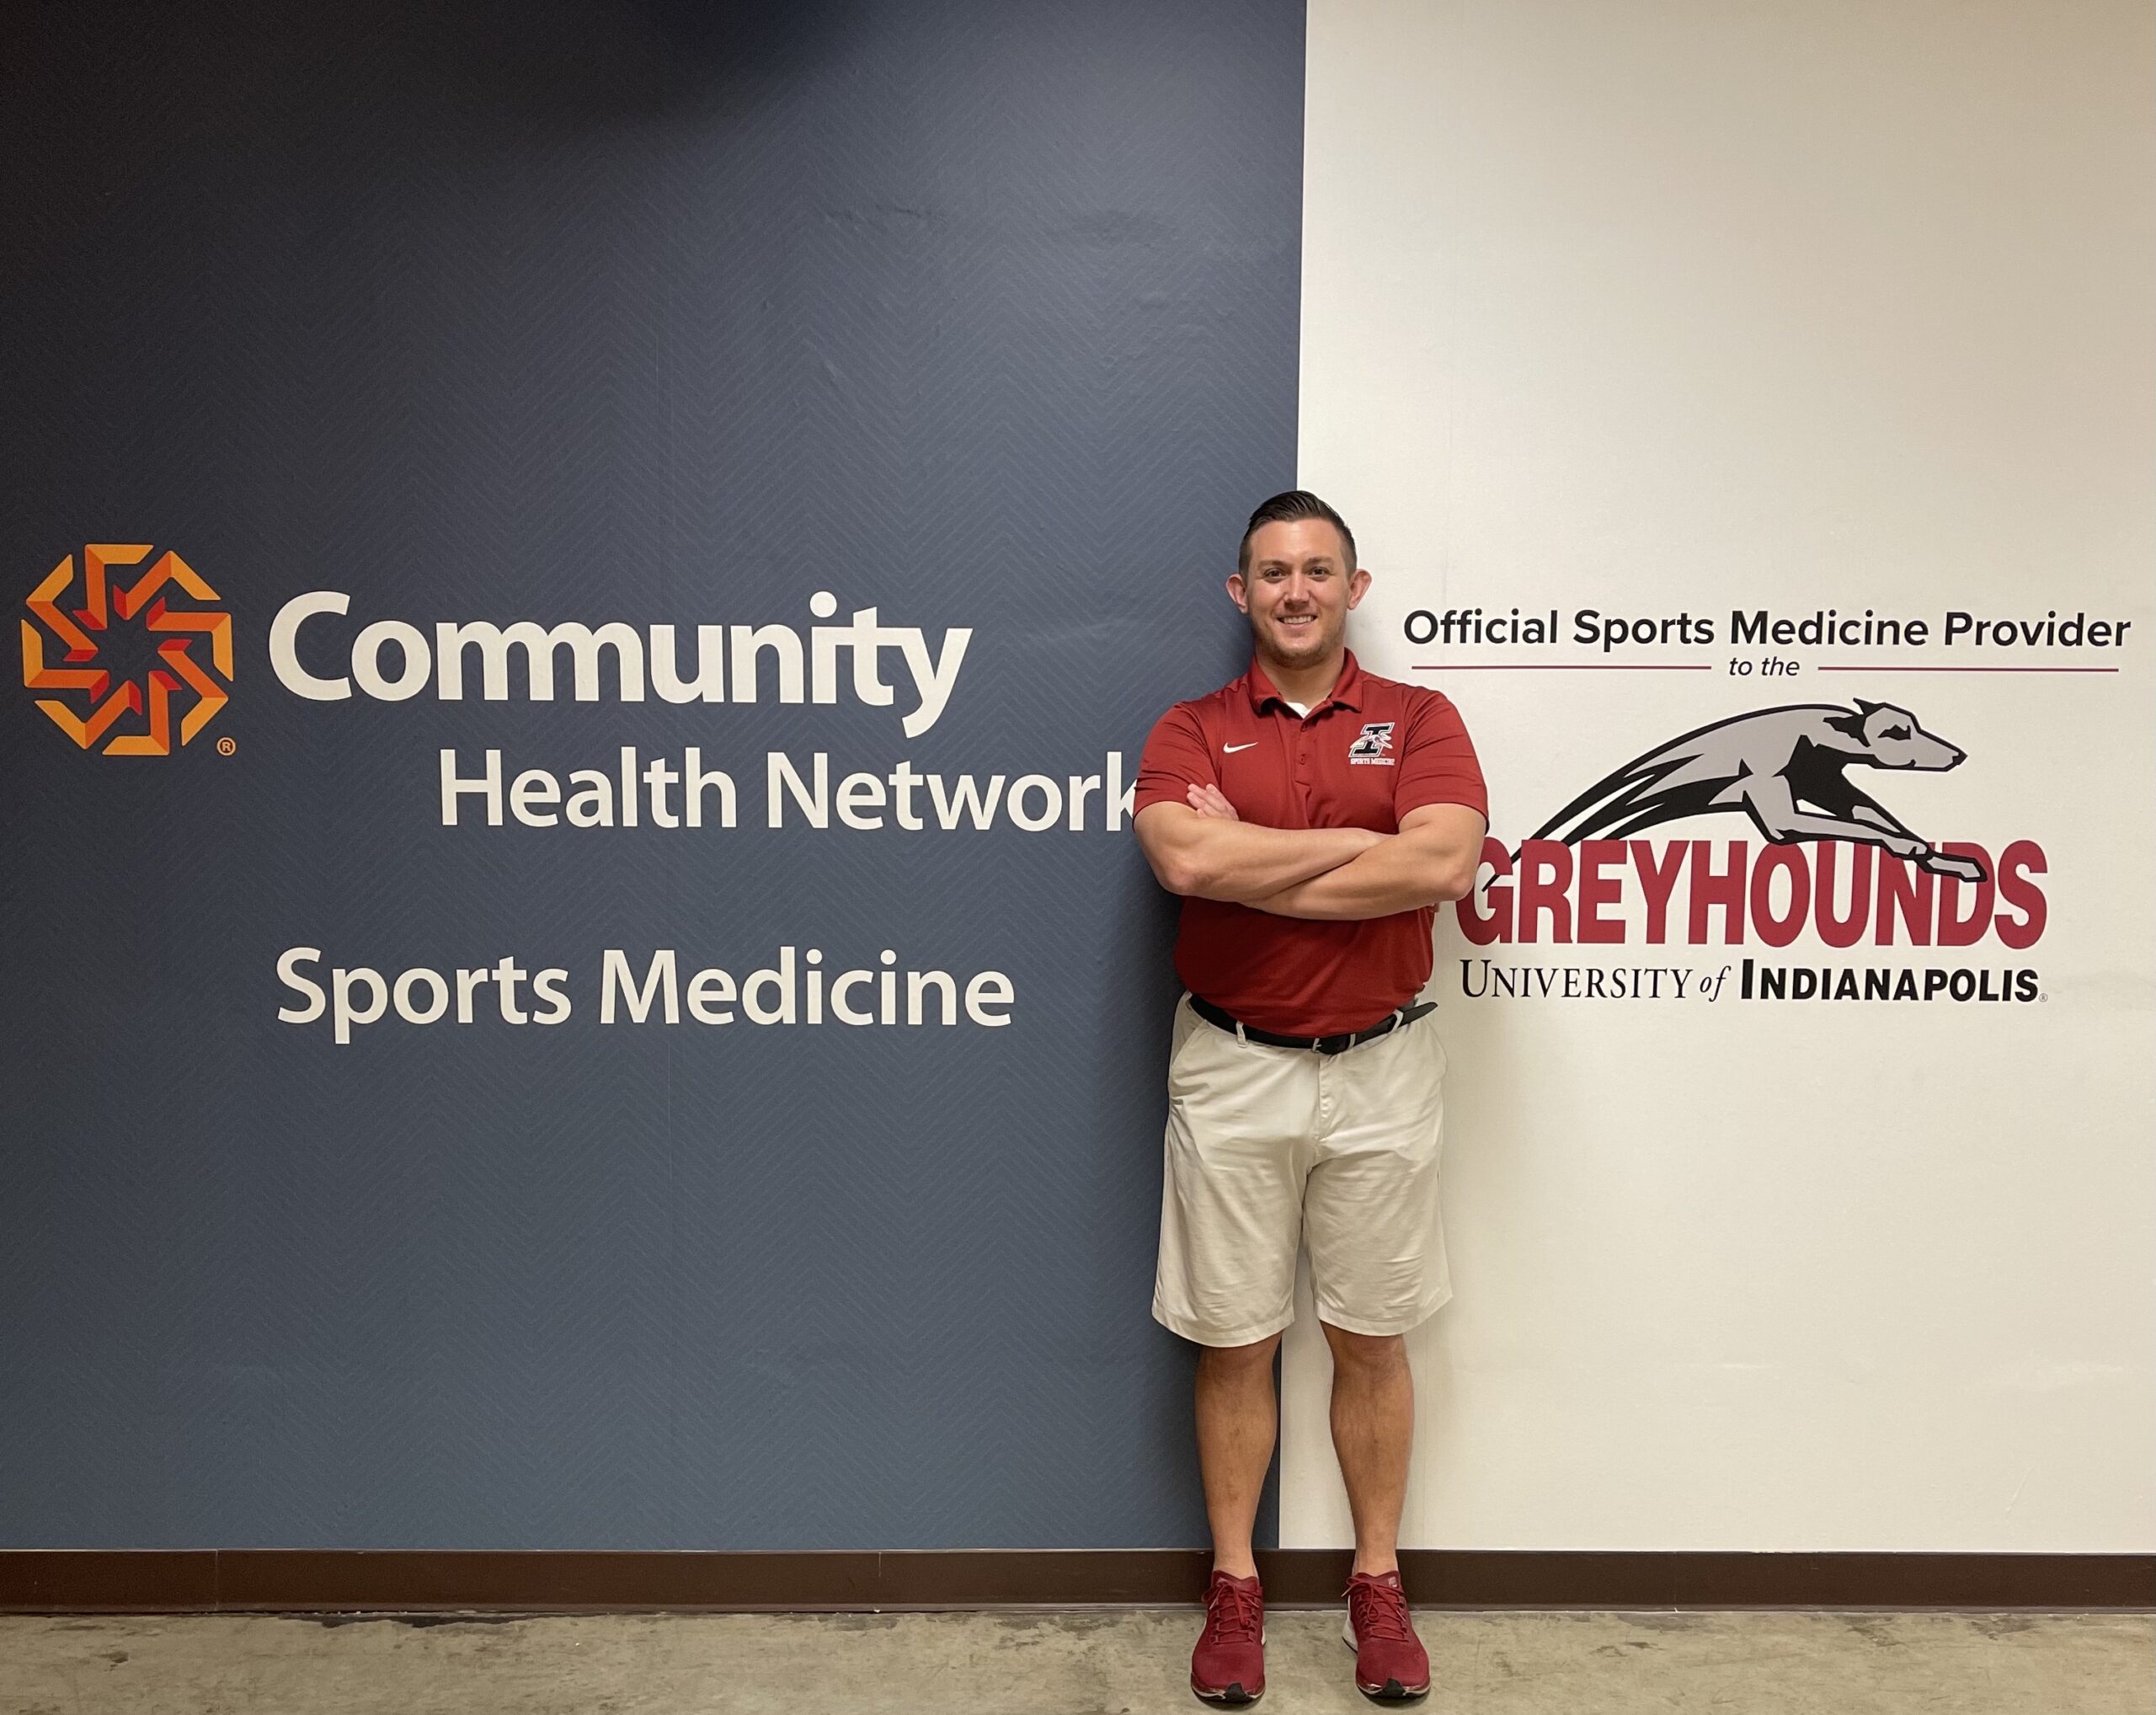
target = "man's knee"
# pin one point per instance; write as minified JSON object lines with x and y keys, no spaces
{"x":1224,"y":1360}
{"x":1374,"y":1352}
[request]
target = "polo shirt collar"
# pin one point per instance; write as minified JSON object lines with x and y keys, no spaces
{"x":1347,"y":690}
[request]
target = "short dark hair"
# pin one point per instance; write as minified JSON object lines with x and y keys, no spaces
{"x":1286,"y":509}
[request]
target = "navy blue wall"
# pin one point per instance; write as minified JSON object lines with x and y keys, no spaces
{"x":982,"y":313}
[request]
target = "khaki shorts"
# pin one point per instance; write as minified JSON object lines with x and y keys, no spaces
{"x":1270,"y":1148}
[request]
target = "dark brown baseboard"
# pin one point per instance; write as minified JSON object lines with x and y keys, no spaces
{"x":285,"y":1580}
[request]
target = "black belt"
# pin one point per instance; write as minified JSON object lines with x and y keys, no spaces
{"x":1320,"y":1045}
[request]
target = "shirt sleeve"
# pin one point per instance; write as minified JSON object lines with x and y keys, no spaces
{"x":1176,"y":758}
{"x":1438,"y":763}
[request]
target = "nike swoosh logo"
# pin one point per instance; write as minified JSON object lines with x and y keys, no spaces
{"x":1230,"y":749}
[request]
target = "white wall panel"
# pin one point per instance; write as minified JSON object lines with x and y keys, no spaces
{"x":1670,"y":307}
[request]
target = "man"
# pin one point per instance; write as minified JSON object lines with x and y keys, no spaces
{"x":1311,"y":816}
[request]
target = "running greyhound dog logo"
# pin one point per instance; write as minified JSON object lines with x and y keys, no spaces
{"x":1784,"y":768}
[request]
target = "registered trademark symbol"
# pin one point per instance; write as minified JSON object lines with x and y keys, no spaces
{"x":226,"y":745}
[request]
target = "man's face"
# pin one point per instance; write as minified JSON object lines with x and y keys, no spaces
{"x":1298,"y":590}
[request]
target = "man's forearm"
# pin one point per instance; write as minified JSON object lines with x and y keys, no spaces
{"x":1402,"y":873}
{"x":1242,"y":863}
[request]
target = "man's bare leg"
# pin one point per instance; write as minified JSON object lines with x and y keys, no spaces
{"x":1238,"y":1418}
{"x":1373,"y":1429}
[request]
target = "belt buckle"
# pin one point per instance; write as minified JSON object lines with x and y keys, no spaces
{"x":1355,"y":1039}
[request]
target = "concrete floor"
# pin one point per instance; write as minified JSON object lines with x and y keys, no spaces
{"x":1111,"y":1662}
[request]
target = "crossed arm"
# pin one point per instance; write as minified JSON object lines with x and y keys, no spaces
{"x":1341,"y":873}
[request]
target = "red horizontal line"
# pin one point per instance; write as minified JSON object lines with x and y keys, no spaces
{"x":1570,"y":667}
{"x":1885,"y":669}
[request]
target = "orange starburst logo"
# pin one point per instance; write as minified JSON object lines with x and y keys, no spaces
{"x":79,"y":631}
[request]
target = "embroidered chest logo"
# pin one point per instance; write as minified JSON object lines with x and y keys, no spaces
{"x":1371,"y":747}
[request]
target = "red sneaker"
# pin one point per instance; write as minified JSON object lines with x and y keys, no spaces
{"x":1390,"y":1663}
{"x":1228,"y":1666}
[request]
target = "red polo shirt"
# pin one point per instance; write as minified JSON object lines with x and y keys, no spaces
{"x":1362,"y":758}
